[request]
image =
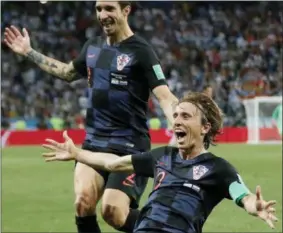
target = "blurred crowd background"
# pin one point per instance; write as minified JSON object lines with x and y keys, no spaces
{"x":234,"y":50}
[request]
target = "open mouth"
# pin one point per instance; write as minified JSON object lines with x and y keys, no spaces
{"x":180,"y":135}
{"x":107,"y":24}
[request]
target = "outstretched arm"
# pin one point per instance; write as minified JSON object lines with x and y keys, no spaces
{"x":254,"y":204}
{"x":19,"y":42}
{"x":105,"y":161}
{"x":68,"y":151}
{"x":142,"y":164}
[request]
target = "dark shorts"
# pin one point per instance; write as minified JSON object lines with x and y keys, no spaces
{"x":126,"y":182}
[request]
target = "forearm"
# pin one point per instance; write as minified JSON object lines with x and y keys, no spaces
{"x":121,"y":164}
{"x":96,"y":160}
{"x":168,"y":105}
{"x":54,"y":67}
{"x":104,"y":161}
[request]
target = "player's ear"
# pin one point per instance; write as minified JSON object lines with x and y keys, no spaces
{"x":127,"y":11}
{"x":205,"y":128}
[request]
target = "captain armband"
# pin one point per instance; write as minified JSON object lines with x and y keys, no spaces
{"x":238,"y":190}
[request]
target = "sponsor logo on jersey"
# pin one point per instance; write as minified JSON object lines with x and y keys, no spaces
{"x":118,"y":79}
{"x":199,"y":171}
{"x":122,"y":61}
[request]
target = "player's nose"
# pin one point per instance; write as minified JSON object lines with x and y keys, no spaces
{"x":103,"y":15}
{"x":177,"y":122}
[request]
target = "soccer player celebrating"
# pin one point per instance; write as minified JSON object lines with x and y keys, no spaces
{"x":189,"y":181}
{"x":207,"y":90}
{"x":121,"y":71}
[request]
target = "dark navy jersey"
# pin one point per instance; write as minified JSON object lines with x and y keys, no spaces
{"x":185,"y":191}
{"x":120,"y":79}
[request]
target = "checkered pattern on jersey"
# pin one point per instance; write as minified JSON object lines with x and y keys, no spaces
{"x":114,"y":115}
{"x":173,"y":206}
{"x":171,"y":210}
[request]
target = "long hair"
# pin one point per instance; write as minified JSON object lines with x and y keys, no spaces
{"x":211,"y":113}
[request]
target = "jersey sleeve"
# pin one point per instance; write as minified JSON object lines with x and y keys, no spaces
{"x":151,"y":68}
{"x":234,"y":185}
{"x":144,"y":163}
{"x":80,"y":61}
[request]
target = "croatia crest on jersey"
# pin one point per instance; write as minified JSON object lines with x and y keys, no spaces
{"x":122,"y":61}
{"x":199,"y":171}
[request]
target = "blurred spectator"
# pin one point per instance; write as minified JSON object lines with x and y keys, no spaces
{"x":42,"y":124}
{"x":5,"y":124}
{"x":236,"y":48}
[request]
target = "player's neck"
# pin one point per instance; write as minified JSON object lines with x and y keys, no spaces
{"x":193,"y":152}
{"x":123,"y":34}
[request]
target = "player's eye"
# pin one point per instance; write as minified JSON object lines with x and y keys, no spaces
{"x":186,"y":116}
{"x":109,"y":8}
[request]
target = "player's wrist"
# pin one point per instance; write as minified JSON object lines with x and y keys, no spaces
{"x":245,"y":199}
{"x":249,"y":203}
{"x":76,"y":153}
{"x":27,"y":51}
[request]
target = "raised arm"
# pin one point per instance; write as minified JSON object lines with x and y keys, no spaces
{"x":52,"y":66}
{"x":20,"y":43}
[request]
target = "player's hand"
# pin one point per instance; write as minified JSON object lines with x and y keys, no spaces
{"x":17,"y":41}
{"x":60,"y":151}
{"x":263,"y":209}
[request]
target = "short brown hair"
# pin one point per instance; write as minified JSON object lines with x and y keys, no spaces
{"x":135,"y":5}
{"x":124,"y":4}
{"x":210,"y":113}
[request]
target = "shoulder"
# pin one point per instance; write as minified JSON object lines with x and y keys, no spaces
{"x":165,"y":151}
{"x":169,"y":150}
{"x":223,"y":166}
{"x":94,"y":41}
{"x":140,"y":45}
{"x":138,"y":41}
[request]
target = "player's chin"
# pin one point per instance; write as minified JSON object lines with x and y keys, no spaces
{"x":109,"y":31}
{"x":181,"y":145}
{"x":181,"y":141}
